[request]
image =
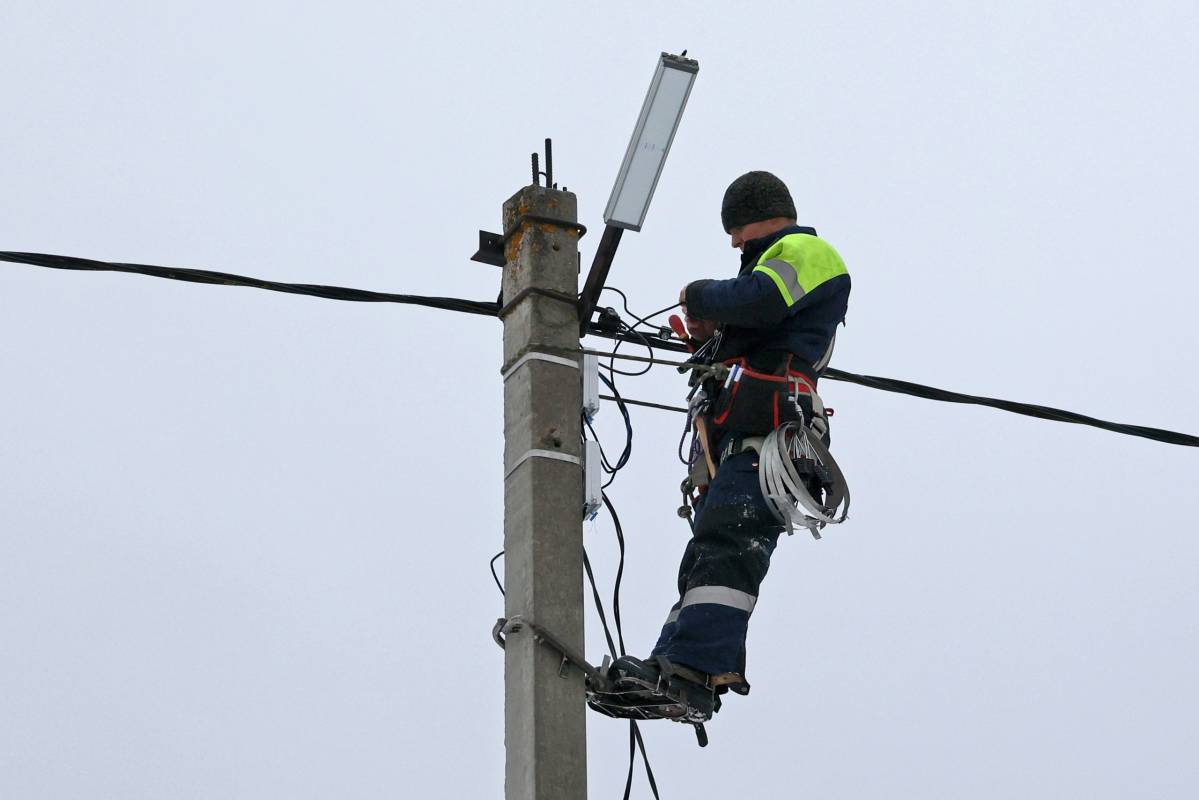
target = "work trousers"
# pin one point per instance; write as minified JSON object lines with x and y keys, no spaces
{"x":733,"y":537}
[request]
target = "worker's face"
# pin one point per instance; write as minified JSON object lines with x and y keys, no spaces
{"x":756,"y":230}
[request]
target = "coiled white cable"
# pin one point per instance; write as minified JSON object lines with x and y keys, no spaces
{"x":785,"y":491}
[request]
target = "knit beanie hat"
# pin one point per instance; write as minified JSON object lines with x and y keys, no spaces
{"x":754,"y":197}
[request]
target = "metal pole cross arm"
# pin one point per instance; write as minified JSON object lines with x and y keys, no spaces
{"x":598,"y":276}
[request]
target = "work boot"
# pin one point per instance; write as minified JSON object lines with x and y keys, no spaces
{"x":729,"y":682}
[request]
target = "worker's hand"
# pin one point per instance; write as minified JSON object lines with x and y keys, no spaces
{"x":701,"y":330}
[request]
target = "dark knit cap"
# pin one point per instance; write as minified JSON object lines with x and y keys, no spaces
{"x":754,"y":197}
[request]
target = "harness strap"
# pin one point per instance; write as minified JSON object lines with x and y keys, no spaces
{"x":735,"y":444}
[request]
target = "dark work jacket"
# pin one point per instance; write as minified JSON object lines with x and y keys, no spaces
{"x":789,"y":296}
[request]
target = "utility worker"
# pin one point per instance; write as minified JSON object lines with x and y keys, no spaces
{"x":777,"y":319}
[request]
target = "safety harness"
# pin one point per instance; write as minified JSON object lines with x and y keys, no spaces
{"x":778,"y":415}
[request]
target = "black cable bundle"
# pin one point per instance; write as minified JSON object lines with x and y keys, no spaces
{"x":229,"y":279}
{"x":616,"y":647}
{"x":623,"y":333}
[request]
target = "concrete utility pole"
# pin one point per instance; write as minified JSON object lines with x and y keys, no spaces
{"x":545,"y":730}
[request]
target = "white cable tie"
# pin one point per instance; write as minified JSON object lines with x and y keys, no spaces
{"x":550,"y":454}
{"x":535,"y":356}
{"x":782,"y":487}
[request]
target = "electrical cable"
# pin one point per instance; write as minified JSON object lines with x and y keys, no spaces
{"x":626,"y":357}
{"x":647,"y":404}
{"x":617,"y":647}
{"x":635,"y":740}
{"x":611,"y":366}
{"x":494,"y":575}
{"x":660,"y":311}
{"x":640,"y":320}
{"x":1027,"y":409}
{"x":947,"y":396}
{"x":485,"y":308}
{"x":607,"y":466}
{"x":628,"y":426}
{"x":619,"y":571}
{"x":599,"y":607}
{"x":635,"y":737}
{"x":228,"y":279}
{"x":632,"y":331}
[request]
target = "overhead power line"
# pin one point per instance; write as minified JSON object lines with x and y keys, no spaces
{"x":491,"y":309}
{"x":228,"y":279}
{"x":933,"y":393}
{"x":1027,"y":409}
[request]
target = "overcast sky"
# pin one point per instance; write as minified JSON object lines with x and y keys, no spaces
{"x":244,"y":535}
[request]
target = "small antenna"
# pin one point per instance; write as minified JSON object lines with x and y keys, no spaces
{"x":536,"y":171}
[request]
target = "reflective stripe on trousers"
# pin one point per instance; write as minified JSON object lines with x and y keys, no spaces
{"x":722,"y":568}
{"x":720,"y":595}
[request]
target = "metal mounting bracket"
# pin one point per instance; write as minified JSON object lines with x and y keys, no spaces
{"x":504,"y":627}
{"x":491,"y":249}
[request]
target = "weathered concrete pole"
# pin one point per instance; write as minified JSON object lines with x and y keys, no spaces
{"x":544,"y":727}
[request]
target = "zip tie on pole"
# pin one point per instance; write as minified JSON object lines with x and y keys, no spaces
{"x":569,"y":300}
{"x":550,"y":454}
{"x":535,"y":356}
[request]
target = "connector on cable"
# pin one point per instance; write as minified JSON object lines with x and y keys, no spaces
{"x":593,"y":480}
{"x":609,"y":321}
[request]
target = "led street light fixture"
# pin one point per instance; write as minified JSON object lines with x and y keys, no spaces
{"x":643,"y":161}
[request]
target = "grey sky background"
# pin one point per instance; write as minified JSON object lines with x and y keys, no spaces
{"x":244,"y":536}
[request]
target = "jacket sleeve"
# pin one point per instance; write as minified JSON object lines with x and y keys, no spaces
{"x":748,"y":301}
